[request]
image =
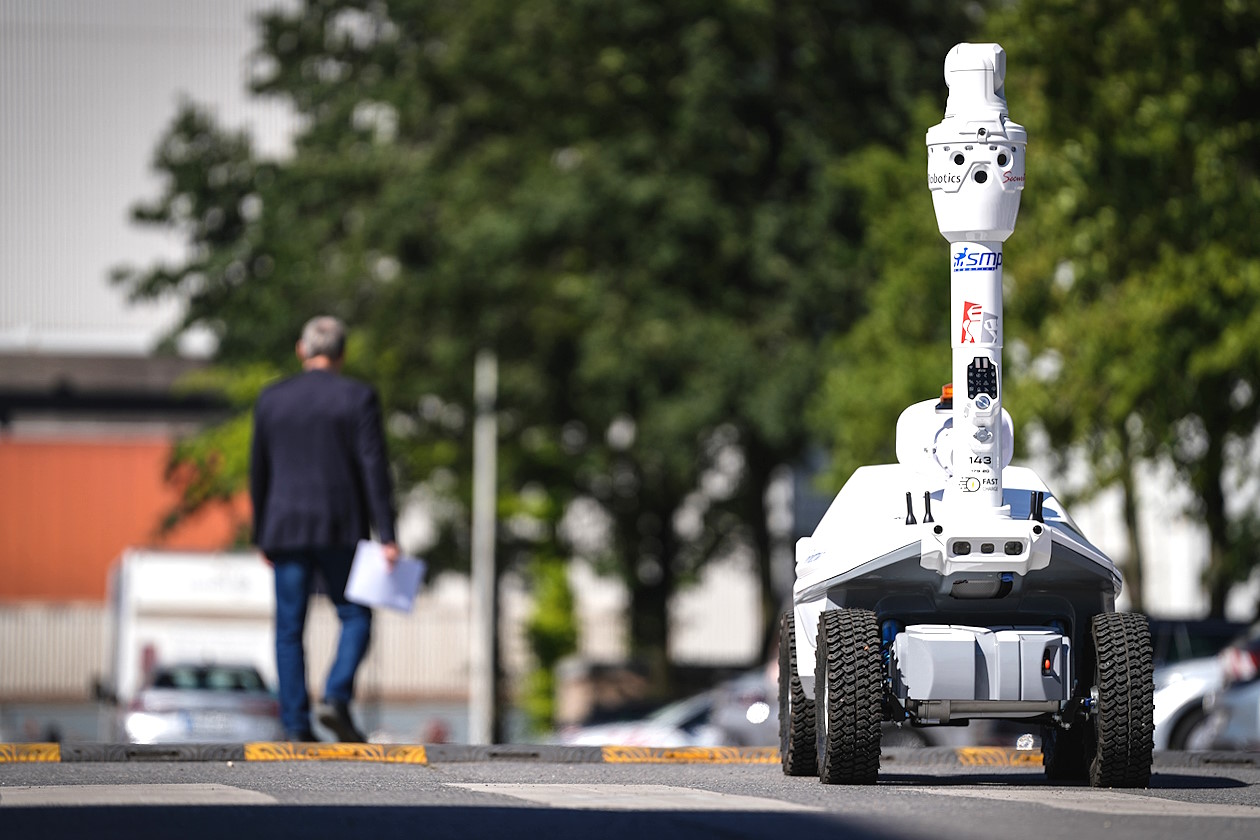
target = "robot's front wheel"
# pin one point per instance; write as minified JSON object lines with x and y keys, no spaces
{"x":797,"y":747}
{"x":848,"y":697}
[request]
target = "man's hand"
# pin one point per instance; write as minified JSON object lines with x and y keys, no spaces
{"x":390,"y":551}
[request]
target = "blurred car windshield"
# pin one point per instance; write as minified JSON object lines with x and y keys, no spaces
{"x":686,"y":713}
{"x":208,"y":678}
{"x":1174,"y":640}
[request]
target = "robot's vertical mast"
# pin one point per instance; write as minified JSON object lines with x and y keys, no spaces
{"x":976,"y":174}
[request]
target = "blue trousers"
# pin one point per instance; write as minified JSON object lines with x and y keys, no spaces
{"x":295,"y":577}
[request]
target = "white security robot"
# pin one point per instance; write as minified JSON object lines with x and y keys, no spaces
{"x":951,"y":586}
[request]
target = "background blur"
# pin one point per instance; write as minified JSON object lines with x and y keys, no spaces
{"x":695,"y":235}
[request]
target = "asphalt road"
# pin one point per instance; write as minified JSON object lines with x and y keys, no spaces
{"x":918,"y":797}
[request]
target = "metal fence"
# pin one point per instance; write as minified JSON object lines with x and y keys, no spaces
{"x":51,"y":650}
{"x":57,"y":651}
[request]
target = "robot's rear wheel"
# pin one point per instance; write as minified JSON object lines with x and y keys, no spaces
{"x":797,"y":747}
{"x":1125,"y":722}
{"x":848,"y":696}
{"x":1113,"y":748}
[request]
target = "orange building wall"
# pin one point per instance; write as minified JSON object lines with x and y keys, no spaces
{"x":68,"y":508}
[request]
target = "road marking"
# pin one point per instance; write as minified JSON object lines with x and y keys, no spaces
{"x":634,"y":798}
{"x":1099,"y":801}
{"x":37,"y":796}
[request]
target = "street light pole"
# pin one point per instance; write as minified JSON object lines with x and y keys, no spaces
{"x":482,"y":694}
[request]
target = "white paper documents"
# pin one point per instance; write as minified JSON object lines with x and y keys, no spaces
{"x":373,"y":583}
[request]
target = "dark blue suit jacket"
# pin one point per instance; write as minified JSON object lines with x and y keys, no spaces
{"x":318,"y":472}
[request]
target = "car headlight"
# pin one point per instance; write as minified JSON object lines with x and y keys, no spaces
{"x":143,"y":728}
{"x":758,"y":712}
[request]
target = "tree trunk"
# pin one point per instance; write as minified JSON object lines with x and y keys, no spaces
{"x":649,"y":633}
{"x":1207,"y":477}
{"x":759,"y":470}
{"x":652,"y":583}
{"x":1133,"y":569}
{"x":1217,"y":586}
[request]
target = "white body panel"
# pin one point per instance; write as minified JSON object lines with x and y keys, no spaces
{"x":948,"y":662}
{"x":863,"y":545}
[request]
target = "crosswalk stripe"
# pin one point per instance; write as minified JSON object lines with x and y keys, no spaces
{"x":609,"y":797}
{"x":36,"y":796}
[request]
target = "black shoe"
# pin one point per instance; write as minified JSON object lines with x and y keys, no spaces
{"x":306,"y":736}
{"x":336,"y":716}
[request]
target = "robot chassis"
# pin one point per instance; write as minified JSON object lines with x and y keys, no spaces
{"x":951,"y":586}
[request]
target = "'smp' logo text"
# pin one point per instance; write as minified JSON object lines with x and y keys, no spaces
{"x":967,"y":260}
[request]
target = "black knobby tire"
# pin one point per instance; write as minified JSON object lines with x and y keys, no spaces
{"x":848,"y":697}
{"x":1125,"y":716}
{"x":797,"y":748}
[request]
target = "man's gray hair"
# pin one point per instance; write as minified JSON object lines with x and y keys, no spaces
{"x":324,"y":336}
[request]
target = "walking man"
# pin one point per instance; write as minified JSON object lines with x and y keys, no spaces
{"x":319,"y":479}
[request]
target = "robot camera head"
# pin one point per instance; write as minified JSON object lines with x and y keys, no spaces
{"x":976,"y":154}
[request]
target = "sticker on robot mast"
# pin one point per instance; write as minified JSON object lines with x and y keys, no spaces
{"x":978,"y":327}
{"x":978,"y":260}
{"x":972,"y":484}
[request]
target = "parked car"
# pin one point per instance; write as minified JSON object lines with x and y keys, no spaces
{"x":740,"y":712}
{"x":1180,"y":691}
{"x":746,"y":709}
{"x":1234,"y":718}
{"x":683,"y":723}
{"x":1241,"y":658}
{"x":1234,"y":710}
{"x":185,"y":703}
{"x":1187,"y":670}
{"x":1176,"y":640}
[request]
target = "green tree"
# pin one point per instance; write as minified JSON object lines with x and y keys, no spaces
{"x":898,"y":351}
{"x":636,"y":205}
{"x":1133,"y":274}
{"x":1145,"y":280}
{"x":553,"y":634}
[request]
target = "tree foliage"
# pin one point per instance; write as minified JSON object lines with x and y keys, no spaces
{"x":639,"y":206}
{"x":1146,"y":282}
{"x":897,"y":352}
{"x":1133,"y":276}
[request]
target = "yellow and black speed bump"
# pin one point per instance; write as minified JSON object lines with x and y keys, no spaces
{"x":997,"y":757}
{"x":11,"y":753}
{"x":961,"y":756}
{"x":690,"y":755}
{"x":550,"y":753}
{"x":546,"y":753}
{"x":447,"y":753}
{"x":387,"y":753}
{"x":152,"y":752}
